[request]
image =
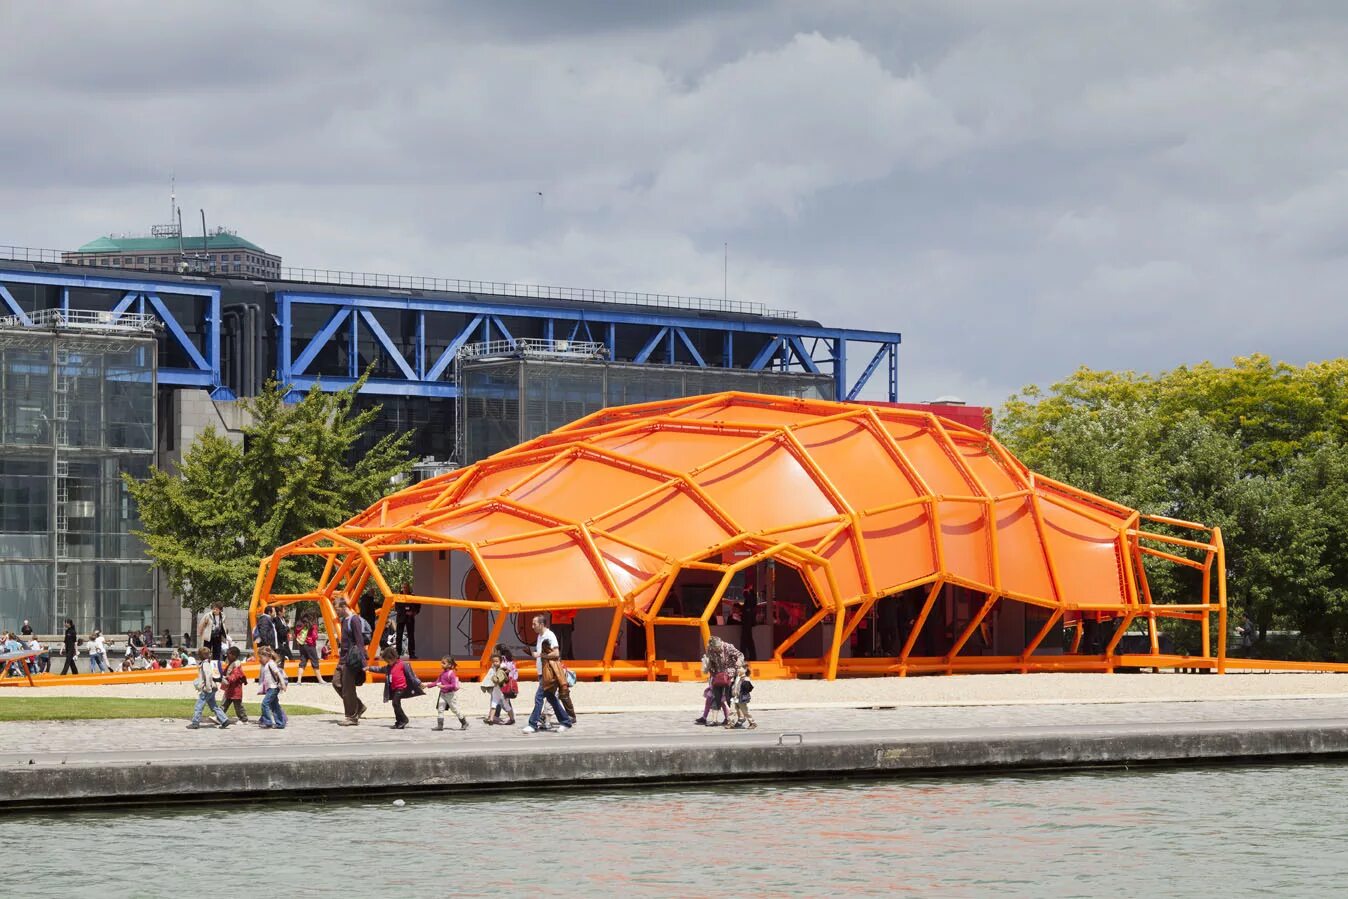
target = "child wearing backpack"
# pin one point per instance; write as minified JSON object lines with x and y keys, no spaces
{"x":400,"y":682}
{"x":234,"y":681}
{"x":273,"y":681}
{"x":206,"y":683}
{"x":448,"y":682}
{"x":502,"y":682}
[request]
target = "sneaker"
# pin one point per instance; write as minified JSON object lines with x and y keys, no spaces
{"x":563,"y":728}
{"x":702,"y":720}
{"x":348,"y":722}
{"x":739,"y":725}
{"x":224,"y":724}
{"x":439,"y":725}
{"x":194,"y":726}
{"x":528,"y":730}
{"x":264,"y":725}
{"x":463,"y":724}
{"x":399,"y":725}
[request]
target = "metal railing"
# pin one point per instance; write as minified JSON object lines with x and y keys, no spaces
{"x":533,"y":346}
{"x":339,"y":277}
{"x":29,"y":254}
{"x":84,"y":320}
{"x":532,"y":291}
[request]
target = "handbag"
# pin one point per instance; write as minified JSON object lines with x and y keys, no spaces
{"x":721,"y":679}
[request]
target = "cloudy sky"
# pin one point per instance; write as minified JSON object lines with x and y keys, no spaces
{"x":1020,"y":188}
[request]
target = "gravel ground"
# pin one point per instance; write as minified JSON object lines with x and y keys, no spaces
{"x":959,"y":690}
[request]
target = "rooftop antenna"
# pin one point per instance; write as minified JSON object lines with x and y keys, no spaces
{"x":174,"y":228}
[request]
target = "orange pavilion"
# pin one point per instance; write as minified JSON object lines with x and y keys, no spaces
{"x":826,"y":538}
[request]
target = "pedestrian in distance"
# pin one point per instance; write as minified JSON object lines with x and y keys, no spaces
{"x":234,"y":681}
{"x":282,"y":628}
{"x":749,"y":618}
{"x":71,"y":641}
{"x":98,"y":653}
{"x":448,"y":700}
{"x":168,"y":639}
{"x":26,"y":630}
{"x":43,"y":659}
{"x":306,"y":640}
{"x":350,"y":671}
{"x":272,"y":683}
{"x":206,"y":683}
{"x":212,"y":632}
{"x":547,"y":659}
{"x":400,"y":682}
{"x":405,"y":624}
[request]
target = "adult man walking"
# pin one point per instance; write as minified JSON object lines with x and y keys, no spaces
{"x":70,"y":640}
{"x":264,"y":633}
{"x":350,"y":670}
{"x":547,"y":658}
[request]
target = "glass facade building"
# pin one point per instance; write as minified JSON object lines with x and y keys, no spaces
{"x":77,"y":411}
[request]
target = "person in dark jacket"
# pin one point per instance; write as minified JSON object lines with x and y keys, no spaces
{"x":265,"y":632}
{"x":70,"y":640}
{"x":350,"y":670}
{"x":282,"y":629}
{"x":748,"y":618}
{"x":406,"y":619}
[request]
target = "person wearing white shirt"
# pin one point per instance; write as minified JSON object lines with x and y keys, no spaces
{"x":98,"y":652}
{"x":546,"y":650}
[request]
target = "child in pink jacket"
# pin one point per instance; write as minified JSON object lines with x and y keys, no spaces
{"x":448,"y":682}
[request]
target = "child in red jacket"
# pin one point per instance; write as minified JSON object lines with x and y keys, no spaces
{"x":234,"y":681}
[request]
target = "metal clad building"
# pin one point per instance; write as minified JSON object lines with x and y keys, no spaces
{"x":472,"y":367}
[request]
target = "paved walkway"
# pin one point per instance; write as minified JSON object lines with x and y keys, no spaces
{"x":111,"y":742}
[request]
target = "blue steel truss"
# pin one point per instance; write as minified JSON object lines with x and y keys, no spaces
{"x":666,"y":338}
{"x":143,"y":296}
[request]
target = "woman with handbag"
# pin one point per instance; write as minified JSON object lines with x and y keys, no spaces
{"x":720,"y":663}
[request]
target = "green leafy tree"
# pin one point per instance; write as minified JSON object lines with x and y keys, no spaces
{"x":1255,"y":448}
{"x":208,"y":524}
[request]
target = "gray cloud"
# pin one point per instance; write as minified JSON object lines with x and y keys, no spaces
{"x":1019,"y":188}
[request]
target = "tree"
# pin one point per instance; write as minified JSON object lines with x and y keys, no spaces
{"x":1255,"y":448}
{"x":208,"y":525}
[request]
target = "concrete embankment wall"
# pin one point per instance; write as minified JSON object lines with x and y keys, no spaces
{"x":353,"y":770}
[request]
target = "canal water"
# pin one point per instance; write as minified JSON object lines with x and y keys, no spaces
{"x":1235,"y":831}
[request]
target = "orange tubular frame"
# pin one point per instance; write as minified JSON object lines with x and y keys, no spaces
{"x":609,"y":511}
{"x":862,"y":502}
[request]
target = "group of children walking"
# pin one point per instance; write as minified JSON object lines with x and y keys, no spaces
{"x":212,"y":676}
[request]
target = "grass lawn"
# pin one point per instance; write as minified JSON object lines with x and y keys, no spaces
{"x":81,"y":708}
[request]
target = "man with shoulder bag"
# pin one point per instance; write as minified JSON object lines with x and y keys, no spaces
{"x":350,"y":671}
